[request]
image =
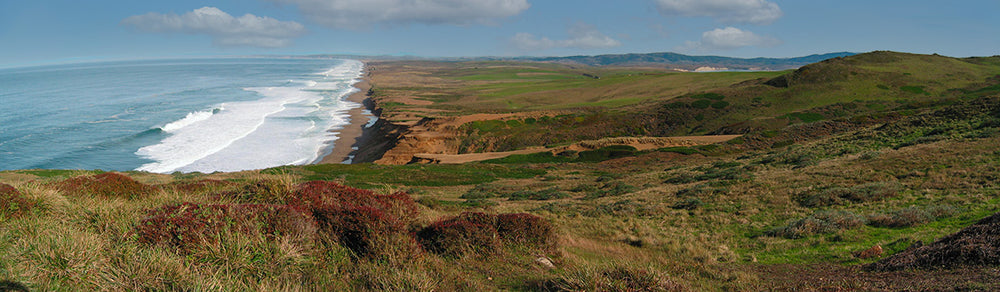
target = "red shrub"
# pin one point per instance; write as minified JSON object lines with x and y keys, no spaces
{"x":357,"y":228}
{"x":187,"y":225}
{"x":354,"y":217}
{"x":474,"y":231}
{"x":12,"y":203}
{"x":109,"y":184}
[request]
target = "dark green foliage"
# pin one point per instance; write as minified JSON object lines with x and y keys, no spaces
{"x":701,"y":104}
{"x":606,"y":153}
{"x":720,"y":104}
{"x":679,"y":149}
{"x":819,"y":223}
{"x":540,"y":157}
{"x":913,"y":89}
{"x":710,"y":95}
{"x":411,"y":175}
{"x":806,"y":117}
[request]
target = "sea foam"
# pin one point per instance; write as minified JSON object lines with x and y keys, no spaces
{"x":288,"y":125}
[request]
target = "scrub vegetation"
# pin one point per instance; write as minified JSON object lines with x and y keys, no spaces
{"x":846,"y":178}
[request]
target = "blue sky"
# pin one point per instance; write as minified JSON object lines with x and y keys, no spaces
{"x":50,"y":31}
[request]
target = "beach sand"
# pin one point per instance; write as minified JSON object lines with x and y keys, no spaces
{"x":351,"y":133}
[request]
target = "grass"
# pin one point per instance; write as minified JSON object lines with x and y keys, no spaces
{"x":873,"y":171}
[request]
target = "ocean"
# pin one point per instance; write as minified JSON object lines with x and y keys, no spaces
{"x":164,"y":116}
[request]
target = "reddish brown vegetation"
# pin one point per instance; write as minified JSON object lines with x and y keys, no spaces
{"x":363,"y":221}
{"x":12,"y":203}
{"x":976,"y":245}
{"x":356,"y":218}
{"x":188,"y":225}
{"x":109,"y":184}
{"x":473,"y":231}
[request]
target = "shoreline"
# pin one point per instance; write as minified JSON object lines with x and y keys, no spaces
{"x":350,"y":134}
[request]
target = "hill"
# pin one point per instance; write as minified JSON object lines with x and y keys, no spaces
{"x":681,"y":61}
{"x":838,"y":164}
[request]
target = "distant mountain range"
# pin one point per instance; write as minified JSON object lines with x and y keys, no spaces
{"x":681,"y":61}
{"x":658,"y":60}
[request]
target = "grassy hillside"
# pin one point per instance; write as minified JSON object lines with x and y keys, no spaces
{"x":740,"y":102}
{"x":798,"y":203}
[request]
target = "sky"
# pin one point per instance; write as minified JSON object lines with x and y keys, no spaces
{"x":39,"y":32}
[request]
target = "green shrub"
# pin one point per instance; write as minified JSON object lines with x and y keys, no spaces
{"x":709,"y":95}
{"x":720,"y":104}
{"x":819,"y":223}
{"x":546,"y":194}
{"x":913,"y":89}
{"x":868,"y":192}
{"x":679,"y":149}
{"x":701,"y":104}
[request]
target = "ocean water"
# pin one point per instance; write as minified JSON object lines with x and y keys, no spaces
{"x":164,"y":116}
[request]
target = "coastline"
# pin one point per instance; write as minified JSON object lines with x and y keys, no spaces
{"x":350,"y":134}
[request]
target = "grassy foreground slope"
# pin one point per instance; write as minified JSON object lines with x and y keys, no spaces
{"x":801,"y":201}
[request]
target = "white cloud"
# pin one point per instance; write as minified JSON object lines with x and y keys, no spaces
{"x":582,"y":36}
{"x":363,"y":13}
{"x":729,"y":11}
{"x":225,"y":30}
{"x":728,"y":38}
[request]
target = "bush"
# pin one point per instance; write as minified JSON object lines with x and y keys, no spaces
{"x":357,"y":228}
{"x":868,"y":192}
{"x":720,"y":104}
{"x":819,"y":223}
{"x":485,"y":233}
{"x":13,"y":204}
{"x":109,"y":185}
{"x":187,"y":226}
{"x":356,"y":218}
{"x":701,"y":104}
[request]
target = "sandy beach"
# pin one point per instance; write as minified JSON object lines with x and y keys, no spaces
{"x":349,"y":135}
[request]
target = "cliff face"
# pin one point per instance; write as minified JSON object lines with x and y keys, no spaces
{"x":390,"y":142}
